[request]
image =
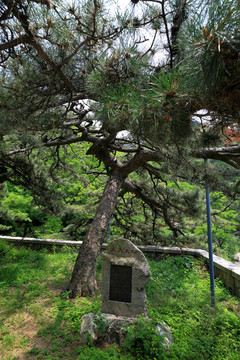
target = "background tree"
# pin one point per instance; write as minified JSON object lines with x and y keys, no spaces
{"x":77,"y":74}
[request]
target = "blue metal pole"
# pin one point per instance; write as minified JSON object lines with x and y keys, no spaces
{"x":210,"y":251}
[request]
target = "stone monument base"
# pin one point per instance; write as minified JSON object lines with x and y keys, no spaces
{"x":113,"y":329}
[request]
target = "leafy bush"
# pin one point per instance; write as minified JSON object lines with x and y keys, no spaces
{"x":143,"y":341}
{"x":102,"y":327}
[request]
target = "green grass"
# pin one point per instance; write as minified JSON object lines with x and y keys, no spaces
{"x":37,"y":321}
{"x":183,"y":302}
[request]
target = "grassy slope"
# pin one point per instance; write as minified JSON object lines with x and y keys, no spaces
{"x":37,"y":322}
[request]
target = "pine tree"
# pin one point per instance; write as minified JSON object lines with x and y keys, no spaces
{"x":77,"y":73}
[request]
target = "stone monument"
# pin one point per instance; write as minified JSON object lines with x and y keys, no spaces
{"x":125,"y":272}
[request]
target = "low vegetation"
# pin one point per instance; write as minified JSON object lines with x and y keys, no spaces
{"x":38,"y":321}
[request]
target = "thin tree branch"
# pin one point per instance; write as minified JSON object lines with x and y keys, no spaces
{"x":15,"y":42}
{"x":32,"y":39}
{"x":128,"y":186}
{"x":224,"y":209}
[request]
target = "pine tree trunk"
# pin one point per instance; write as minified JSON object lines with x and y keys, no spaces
{"x":83,"y":280}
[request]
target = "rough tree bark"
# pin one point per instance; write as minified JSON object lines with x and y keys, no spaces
{"x":83,"y":280}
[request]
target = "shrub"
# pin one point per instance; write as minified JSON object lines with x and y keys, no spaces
{"x":143,"y":341}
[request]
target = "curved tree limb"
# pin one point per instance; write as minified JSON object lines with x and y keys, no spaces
{"x":229,"y":154}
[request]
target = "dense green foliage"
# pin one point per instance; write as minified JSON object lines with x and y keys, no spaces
{"x":77,"y":191}
{"x":66,"y":208}
{"x":178,"y":294}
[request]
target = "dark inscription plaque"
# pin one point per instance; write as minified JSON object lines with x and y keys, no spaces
{"x":120,"y":283}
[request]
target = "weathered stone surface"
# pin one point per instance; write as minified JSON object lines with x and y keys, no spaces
{"x":123,"y":252}
{"x":88,"y":327}
{"x":115,"y":332}
{"x":117,"y":329}
{"x":164,"y":332}
{"x":237,"y":257}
